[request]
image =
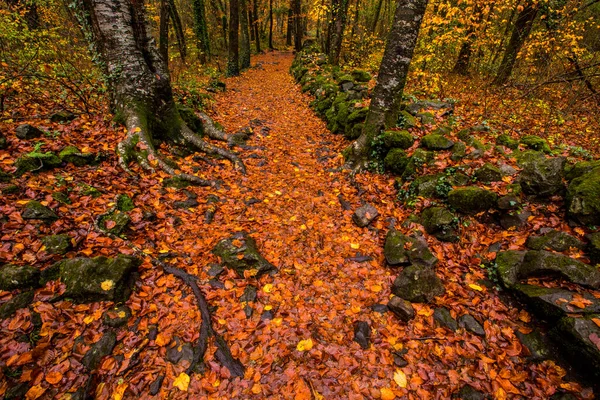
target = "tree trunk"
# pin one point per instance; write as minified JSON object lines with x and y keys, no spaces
{"x":245,"y":42}
{"x":290,"y":27}
{"x":337,"y":37}
{"x":178,"y":29}
{"x":520,"y":32}
{"x":233,"y":58}
{"x":376,"y":17}
{"x":385,"y":101}
{"x":298,"y":28}
{"x":255,"y":27}
{"x":466,"y":49}
{"x":139,"y":86}
{"x":163,"y":31}
{"x":271,"y":25}
{"x":201,"y":30}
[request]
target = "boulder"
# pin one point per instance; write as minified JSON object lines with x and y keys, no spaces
{"x":488,"y":173}
{"x":239,"y":252}
{"x":28,"y":132}
{"x":593,"y":247}
{"x":179,"y":351}
{"x":459,"y":151}
{"x":579,"y":169}
{"x":551,"y":304}
{"x":583,"y":198}
{"x":3,"y":141}
{"x":396,"y":161}
{"x":468,"y":322}
{"x":514,"y":219}
{"x":18,"y":277}
{"x":440,"y":222}
{"x":114,"y":222}
{"x":508,"y":264}
{"x":542,"y":176}
{"x":398,"y":139}
{"x":554,"y":240}
{"x":418,"y":284}
{"x":103,"y":347}
{"x":472,"y":199}
{"x":364,"y":215}
{"x":426,"y":118}
{"x":436,"y":142}
{"x":362,"y":334}
{"x":62,"y":117}
{"x":443,"y":317}
{"x":536,"y":344}
{"x":400,"y":249}
{"x":401,"y":308}
{"x":509,"y":202}
{"x":21,"y":300}
{"x":507,"y":141}
{"x":36,"y":161}
{"x":406,"y":120}
{"x":98,"y":278}
{"x":536,"y":143}
{"x":419,"y":158}
{"x":35,"y":210}
{"x":57,"y":244}
{"x":73,"y":155}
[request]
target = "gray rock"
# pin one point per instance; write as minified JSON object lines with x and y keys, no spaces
{"x":507,"y":170}
{"x":27,"y":132}
{"x":593,"y":247}
{"x":114,"y":222}
{"x":472,"y":199}
{"x":583,"y":198}
{"x":21,"y":300}
{"x":103,"y":347}
{"x":468,"y":392}
{"x":508,"y":264}
{"x":468,"y":322}
{"x":443,"y":317}
{"x":117,"y":316}
{"x":514,"y":219}
{"x":73,"y":155}
{"x":364,"y":215}
{"x":488,"y":173}
{"x":543,"y":176}
{"x":178,"y":351}
{"x":554,"y":240}
{"x":35,"y":210}
{"x":551,"y":304}
{"x":57,"y":244}
{"x":400,"y":249}
{"x":401,"y":308}
{"x":18,"y":277}
{"x":509,"y":202}
{"x":362,"y":334}
{"x":440,"y":222}
{"x":536,"y":344}
{"x":418,"y":284}
{"x":239,"y":252}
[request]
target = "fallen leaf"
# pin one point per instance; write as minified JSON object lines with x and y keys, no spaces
{"x":304,"y":345}
{"x":400,"y":378}
{"x":182,"y":382}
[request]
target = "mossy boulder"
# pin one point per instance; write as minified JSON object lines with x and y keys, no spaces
{"x":440,"y":222}
{"x":436,"y":142}
{"x":554,"y":240}
{"x":36,"y":161}
{"x":35,"y":210}
{"x":551,"y":304}
{"x":21,"y":300}
{"x":593,"y":247}
{"x":488,"y":173}
{"x":406,"y":120}
{"x":400,"y":249}
{"x":73,"y":155}
{"x":98,"y":278}
{"x":114,"y":222}
{"x":525,"y":157}
{"x":360,"y":75}
{"x":18,"y":277}
{"x":536,"y":143}
{"x":398,"y":139}
{"x":62,"y":116}
{"x":507,"y":141}
{"x":28,"y":132}
{"x":419,"y":158}
{"x":240,"y":253}
{"x":508,"y":264}
{"x":103,"y":347}
{"x":357,"y":115}
{"x":580,"y":169}
{"x":418,"y":284}
{"x":442,"y":130}
{"x":426,"y":186}
{"x":426,"y":118}
{"x":396,"y":161}
{"x":583,"y":198}
{"x":537,"y":344}
{"x":57,"y":244}
{"x":543,"y":176}
{"x":124,"y":203}
{"x":471,"y":199}
{"x":459,"y":151}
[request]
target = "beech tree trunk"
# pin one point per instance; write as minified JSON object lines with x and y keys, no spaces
{"x":290,"y":27}
{"x":520,"y":32}
{"x":376,"y":17}
{"x":163,"y":31}
{"x":255,"y":27}
{"x":298,"y":28}
{"x":178,"y":29}
{"x":233,"y":57}
{"x":466,"y":49}
{"x":245,"y":42}
{"x":270,"y":25}
{"x":385,"y":101}
{"x":338,"y":24}
{"x":201,"y":30}
{"x":139,"y":86}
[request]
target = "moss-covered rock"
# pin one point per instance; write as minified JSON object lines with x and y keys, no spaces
{"x":426,"y":186}
{"x":488,"y":173}
{"x":28,"y":132}
{"x":98,"y":278}
{"x":35,"y":210}
{"x":21,"y":300}
{"x":73,"y":155}
{"x":551,"y":304}
{"x":354,"y":133}
{"x":406,"y":120}
{"x":418,"y":284}
{"x":508,"y":264}
{"x":124,"y":203}
{"x":36,"y":161}
{"x":459,"y":151}
{"x":436,"y":142}
{"x":116,"y":316}
{"x":593,"y":247}
{"x":18,"y":277}
{"x":472,"y":199}
{"x":114,"y":222}
{"x":61,"y":197}
{"x":537,"y":143}
{"x":62,"y":116}
{"x":239,"y":252}
{"x":440,"y":222}
{"x":442,"y":130}
{"x":11,"y":189}
{"x":400,"y":249}
{"x":419,"y":158}
{"x":396,"y":161}
{"x":538,"y":345}
{"x":426,"y":118}
{"x":507,"y":141}
{"x":554,"y":240}
{"x":398,"y":139}
{"x":536,"y":263}
{"x":57,"y":244}
{"x":583,"y":198}
{"x":542,"y":176}
{"x":360,"y":75}
{"x":580,"y":169}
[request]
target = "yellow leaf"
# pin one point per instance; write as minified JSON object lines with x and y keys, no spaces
{"x":355,"y":245}
{"x":387,"y":394}
{"x":107,"y":284}
{"x":376,"y":288}
{"x":475,"y":287}
{"x":137,"y":129}
{"x":182,"y":382}
{"x":277,"y":192}
{"x":267,"y":288}
{"x":121,"y":314}
{"x":303,"y":227}
{"x":267,"y":308}
{"x":400,"y":378}
{"x":304,"y":345}
{"x":88,"y":320}
{"x":118,"y":394}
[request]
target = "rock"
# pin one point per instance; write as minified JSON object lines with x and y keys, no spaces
{"x":397,"y":253}
{"x":17,"y":392}
{"x":189,"y":203}
{"x":364,"y":215}
{"x":436,"y":142}
{"x":379,"y":308}
{"x":509,"y":202}
{"x":488,"y":173}
{"x":583,"y":198}
{"x":401,"y":308}
{"x":507,"y":170}
{"x":114,"y":222}
{"x":507,"y":141}
{"x":440,"y":222}
{"x":398,"y":139}
{"x":508,"y":264}
{"x":525,"y":157}
{"x":426,"y":118}
{"x":406,"y":120}
{"x":249,"y":296}
{"x":215,"y":270}
{"x":178,"y":351}
{"x":428,"y":186}
{"x":239,"y":253}
{"x":28,"y":132}
{"x":103,"y":347}
{"x":362,"y":334}
{"x":117,"y":316}
{"x":419,"y":158}
{"x":418,"y":284}
{"x":399,"y":360}
{"x":443,"y":317}
{"x":63,"y":116}
{"x":472,"y":199}
{"x":156,"y":385}
{"x":98,"y":278}
{"x":551,"y":304}
{"x":34,"y":162}
{"x":459,"y":151}
{"x":35,"y":210}
{"x":3,"y":142}
{"x":11,"y":189}
{"x":21,"y":300}
{"x":469,"y":323}
{"x":514,"y":219}
{"x":57,"y":244}
{"x":61,"y":197}
{"x":554,"y":240}
{"x":18,"y":277}
{"x":543,"y":177}
{"x":468,"y":392}
{"x":579,"y":169}
{"x":73,"y":155}
{"x":536,"y":143}
{"x":124,"y":203}
{"x":360,"y":75}
{"x":396,"y":161}
{"x":593,"y":247}
{"x":536,"y":344}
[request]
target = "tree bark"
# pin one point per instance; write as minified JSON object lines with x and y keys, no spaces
{"x":201,"y":30}
{"x":139,"y":86}
{"x":290,"y":27}
{"x":271,"y":25}
{"x":233,"y":58}
{"x":178,"y":27}
{"x":255,"y":27}
{"x":376,"y":17}
{"x":340,"y":13}
{"x":520,"y":32}
{"x":245,"y":42}
{"x":464,"y":55}
{"x":163,"y":31}
{"x":385,"y":101}
{"x":298,"y":28}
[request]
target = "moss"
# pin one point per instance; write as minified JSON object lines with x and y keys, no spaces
{"x":465,"y":135}
{"x":535,"y":143}
{"x":507,"y":141}
{"x":488,"y":173}
{"x":471,"y":200}
{"x":396,"y":161}
{"x":35,"y":210}
{"x":358,"y":115}
{"x":439,"y":222}
{"x":442,"y":130}
{"x":36,"y":161}
{"x":191,"y":119}
{"x":406,"y":120}
{"x":124,"y":203}
{"x":398,"y":139}
{"x":354,"y":132}
{"x":11,"y":189}
{"x":87,"y":190}
{"x":61,"y":197}
{"x":459,"y":151}
{"x":583,"y":198}
{"x":57,"y":244}
{"x":115,"y":222}
{"x":176,"y":183}
{"x":18,"y":277}
{"x":580,"y":169}
{"x":525,"y":157}
{"x":508,"y":264}
{"x":21,"y":300}
{"x":360,"y":75}
{"x":426,"y":118}
{"x":73,"y":155}
{"x":419,"y":158}
{"x":436,"y":142}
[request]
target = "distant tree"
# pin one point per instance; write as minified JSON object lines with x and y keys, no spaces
{"x":233,"y":57}
{"x":271,"y":25}
{"x":255,"y":24}
{"x":387,"y":94}
{"x":298,"y":28}
{"x":466,"y":49}
{"x":245,"y":42}
{"x":201,"y":30}
{"x":163,"y":30}
{"x":337,"y":24}
{"x":290,"y":26}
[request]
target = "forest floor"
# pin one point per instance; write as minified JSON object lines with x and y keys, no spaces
{"x":298,"y":342}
